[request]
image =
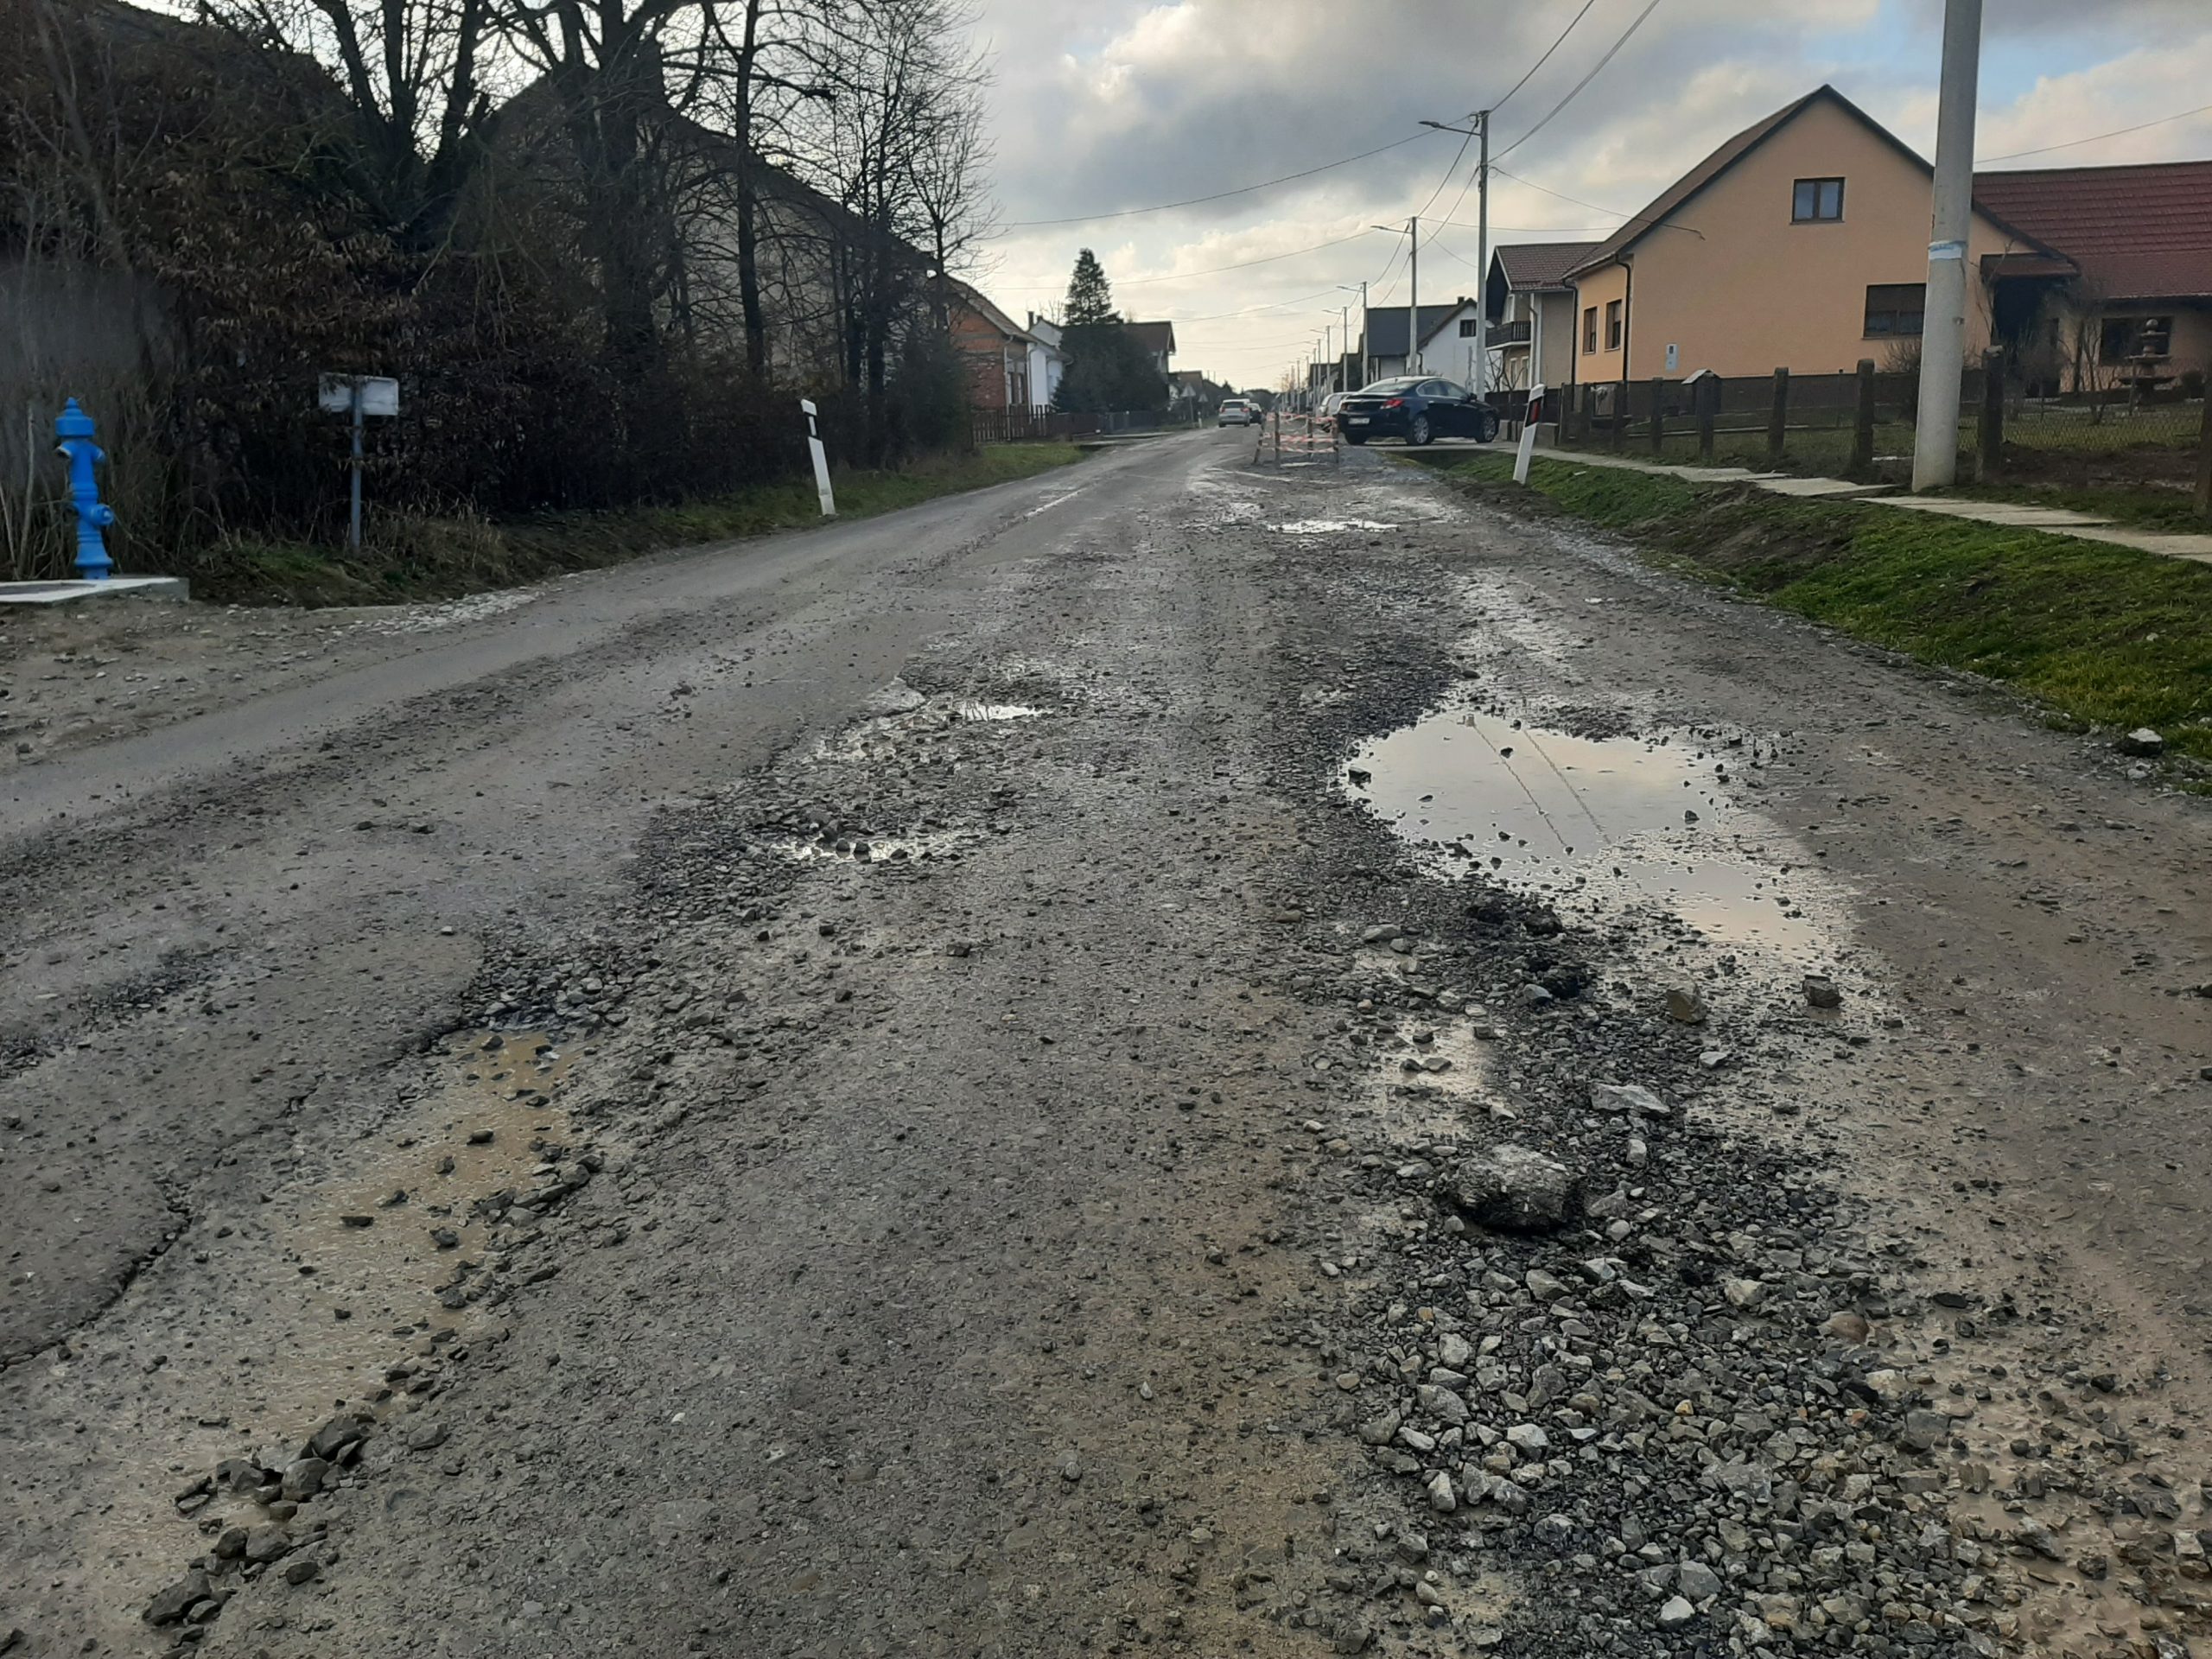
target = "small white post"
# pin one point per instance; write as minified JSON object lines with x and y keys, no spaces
{"x":1529,"y":435}
{"x":821,"y":459}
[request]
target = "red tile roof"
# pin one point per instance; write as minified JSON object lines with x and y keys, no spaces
{"x":2136,"y":232}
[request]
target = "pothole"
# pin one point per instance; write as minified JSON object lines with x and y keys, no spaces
{"x":1649,"y":819}
{"x":1330,"y":526}
{"x":870,"y":849}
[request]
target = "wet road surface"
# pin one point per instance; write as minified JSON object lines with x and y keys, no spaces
{"x":803,"y":1091}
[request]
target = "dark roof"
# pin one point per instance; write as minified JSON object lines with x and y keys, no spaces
{"x":1542,"y":265}
{"x":1155,"y":337}
{"x":2135,"y":232}
{"x":1386,"y":325}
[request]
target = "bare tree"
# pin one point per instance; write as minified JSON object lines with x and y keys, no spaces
{"x":413,"y":73}
{"x":905,"y":111}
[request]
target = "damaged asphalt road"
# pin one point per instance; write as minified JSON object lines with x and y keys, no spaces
{"x":1238,"y":1060}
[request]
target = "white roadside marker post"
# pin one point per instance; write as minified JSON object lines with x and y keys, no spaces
{"x":1529,"y":435}
{"x":821,"y":459}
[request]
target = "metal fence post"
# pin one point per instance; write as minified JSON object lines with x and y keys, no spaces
{"x":1862,"y":437}
{"x":1708,"y":410}
{"x":1658,"y":415}
{"x":1993,"y":415}
{"x":1620,"y":415}
{"x":2204,"y":462}
{"x":1777,"y":419}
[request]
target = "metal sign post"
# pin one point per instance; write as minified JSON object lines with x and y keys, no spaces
{"x":357,"y":395}
{"x":821,"y":459}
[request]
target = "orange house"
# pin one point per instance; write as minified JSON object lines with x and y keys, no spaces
{"x":1801,"y":242}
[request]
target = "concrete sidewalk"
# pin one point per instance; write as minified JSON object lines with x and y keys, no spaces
{"x":2020,"y":515}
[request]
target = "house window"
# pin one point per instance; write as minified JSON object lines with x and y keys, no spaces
{"x":2126,"y":339}
{"x":1815,"y":199}
{"x":1467,"y":327}
{"x":1589,"y":330}
{"x":1613,"y":325}
{"x":1894,"y":310}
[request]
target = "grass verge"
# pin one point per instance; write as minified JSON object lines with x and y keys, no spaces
{"x":412,"y":558}
{"x":2098,"y":633}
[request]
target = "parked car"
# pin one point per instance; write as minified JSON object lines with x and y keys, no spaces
{"x":1419,"y":410}
{"x":1331,"y":404}
{"x":1239,"y":412}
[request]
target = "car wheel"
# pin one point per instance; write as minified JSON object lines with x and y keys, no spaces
{"x":1488,"y":432}
{"x":1354,"y":439}
{"x":1419,"y":433}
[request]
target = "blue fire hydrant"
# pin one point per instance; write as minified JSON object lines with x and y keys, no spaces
{"x":74,"y":428}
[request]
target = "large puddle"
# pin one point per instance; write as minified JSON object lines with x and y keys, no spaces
{"x":1652,"y":818}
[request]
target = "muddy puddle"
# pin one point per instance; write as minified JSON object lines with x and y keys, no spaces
{"x":1330,"y":526}
{"x":1653,"y":820}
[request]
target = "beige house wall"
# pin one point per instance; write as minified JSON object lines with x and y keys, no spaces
{"x":1742,"y":290}
{"x":1598,"y":289}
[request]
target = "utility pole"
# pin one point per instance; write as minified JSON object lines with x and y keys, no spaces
{"x":1413,"y":296}
{"x":1478,"y":371}
{"x":1482,"y":260}
{"x":1336,"y":369}
{"x":1365,"y":375}
{"x":1942,"y":345}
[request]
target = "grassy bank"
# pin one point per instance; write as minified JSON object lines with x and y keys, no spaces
{"x":2100,"y":634}
{"x":412,"y":558}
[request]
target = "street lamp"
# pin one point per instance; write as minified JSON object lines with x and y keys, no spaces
{"x":1413,"y":292}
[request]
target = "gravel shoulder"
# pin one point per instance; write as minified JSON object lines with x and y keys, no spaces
{"x":913,"y":1106}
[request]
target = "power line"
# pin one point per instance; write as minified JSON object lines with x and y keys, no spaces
{"x":1215,"y":271}
{"x":1610,"y":52}
{"x":1219,"y":195}
{"x":1633,"y":218}
{"x":1547,"y":57}
{"x":2117,"y":132}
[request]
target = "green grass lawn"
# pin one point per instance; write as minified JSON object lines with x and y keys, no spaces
{"x":410,"y":557}
{"x":2099,"y":633}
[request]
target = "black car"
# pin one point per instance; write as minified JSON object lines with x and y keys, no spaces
{"x":1419,"y":411}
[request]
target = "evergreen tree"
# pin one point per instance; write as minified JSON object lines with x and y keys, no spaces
{"x":1089,"y":299}
{"x":1108,"y":367}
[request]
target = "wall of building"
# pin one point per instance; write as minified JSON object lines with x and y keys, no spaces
{"x":1742,"y":290}
{"x":1551,"y":347}
{"x":1595,"y":292}
{"x":984,"y":349}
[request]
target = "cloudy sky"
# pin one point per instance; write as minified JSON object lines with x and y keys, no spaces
{"x":1104,"y":105}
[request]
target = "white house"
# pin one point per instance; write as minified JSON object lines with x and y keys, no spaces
{"x":1531,"y":306}
{"x":1047,"y":362}
{"x":1447,"y":340}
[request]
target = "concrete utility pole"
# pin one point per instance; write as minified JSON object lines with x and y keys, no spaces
{"x":1479,"y":370}
{"x":1942,"y":342}
{"x":1482,"y":259}
{"x":1365,"y":373}
{"x":1413,"y":296}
